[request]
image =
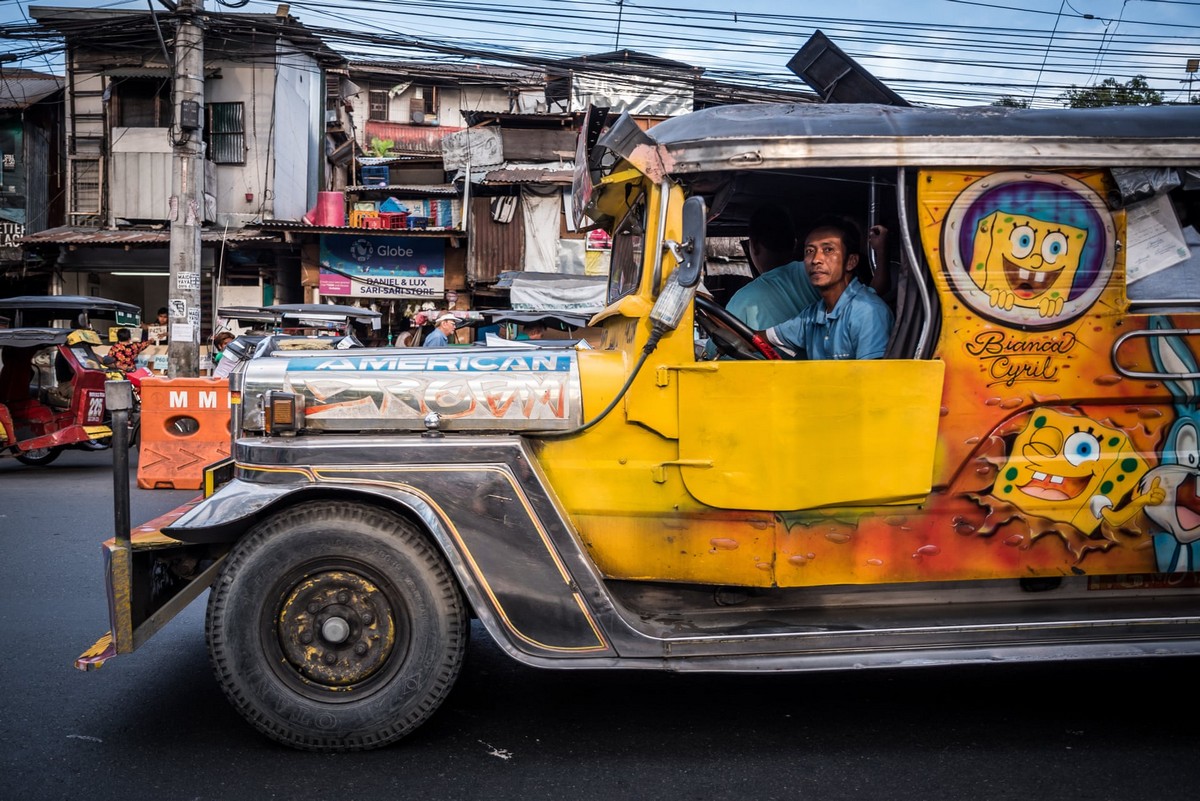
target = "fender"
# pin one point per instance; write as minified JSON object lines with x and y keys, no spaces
{"x":508,"y":543}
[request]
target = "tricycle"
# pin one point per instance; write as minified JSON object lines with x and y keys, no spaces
{"x":51,"y":380}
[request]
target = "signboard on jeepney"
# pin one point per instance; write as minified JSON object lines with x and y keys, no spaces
{"x":382,"y":266}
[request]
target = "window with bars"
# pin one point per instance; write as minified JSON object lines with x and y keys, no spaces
{"x":378,"y":99}
{"x":226,"y":133}
{"x":84,"y":186}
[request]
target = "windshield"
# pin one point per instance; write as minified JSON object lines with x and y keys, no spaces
{"x":628,"y":247}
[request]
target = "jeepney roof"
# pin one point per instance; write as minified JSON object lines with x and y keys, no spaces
{"x":68,"y":303}
{"x":766,"y":136}
{"x":32,"y":337}
{"x":297,"y":313}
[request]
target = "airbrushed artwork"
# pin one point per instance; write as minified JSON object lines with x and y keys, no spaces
{"x":1056,"y":459}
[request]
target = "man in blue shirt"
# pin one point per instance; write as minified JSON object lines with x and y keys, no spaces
{"x":440,"y":336}
{"x":782,"y":290}
{"x":849,"y":321}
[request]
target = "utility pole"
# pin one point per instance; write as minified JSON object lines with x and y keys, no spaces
{"x":187,"y":196}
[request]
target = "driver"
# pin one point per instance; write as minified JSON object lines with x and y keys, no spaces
{"x":848,"y":321}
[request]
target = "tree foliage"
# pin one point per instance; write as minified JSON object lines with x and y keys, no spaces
{"x":1134,"y":92}
{"x":1008,"y":101}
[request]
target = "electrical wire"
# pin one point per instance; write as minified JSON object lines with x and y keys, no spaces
{"x":958,"y":56}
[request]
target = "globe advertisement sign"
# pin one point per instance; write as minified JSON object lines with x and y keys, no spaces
{"x":382,"y":266}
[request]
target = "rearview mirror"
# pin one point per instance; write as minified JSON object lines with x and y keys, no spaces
{"x":694,"y":219}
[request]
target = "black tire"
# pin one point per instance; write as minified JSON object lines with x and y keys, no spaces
{"x":39,"y":457}
{"x":380,"y":672}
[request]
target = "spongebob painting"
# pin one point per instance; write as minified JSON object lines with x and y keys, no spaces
{"x":1020,"y":260}
{"x":1074,"y":470}
{"x":1031,"y":251}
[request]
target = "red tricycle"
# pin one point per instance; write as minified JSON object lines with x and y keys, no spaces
{"x":51,"y":381}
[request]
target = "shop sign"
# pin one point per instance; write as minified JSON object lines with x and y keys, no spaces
{"x":10,"y":236}
{"x":382,"y":266}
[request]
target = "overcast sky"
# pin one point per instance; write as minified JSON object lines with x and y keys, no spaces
{"x":941,"y":52}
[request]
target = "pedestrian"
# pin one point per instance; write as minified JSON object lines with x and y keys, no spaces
{"x":440,"y":337}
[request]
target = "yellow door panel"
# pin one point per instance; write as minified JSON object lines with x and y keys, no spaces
{"x":797,"y":435}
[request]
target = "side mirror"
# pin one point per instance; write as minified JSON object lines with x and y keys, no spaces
{"x":692,"y":250}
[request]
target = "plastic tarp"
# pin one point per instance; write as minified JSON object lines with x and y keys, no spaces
{"x":576,"y":293}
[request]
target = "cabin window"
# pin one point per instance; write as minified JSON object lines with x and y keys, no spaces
{"x":1162,"y":253}
{"x":628,"y":248}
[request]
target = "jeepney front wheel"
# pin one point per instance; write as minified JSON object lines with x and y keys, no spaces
{"x":336,"y":626}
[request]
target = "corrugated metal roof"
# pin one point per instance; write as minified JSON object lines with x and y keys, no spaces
{"x":23,"y":88}
{"x":410,"y":139}
{"x":527,"y":176}
{"x":494,"y":247}
{"x":440,"y":190}
{"x":77,"y":235}
{"x":466,"y":73}
{"x":290,"y":225}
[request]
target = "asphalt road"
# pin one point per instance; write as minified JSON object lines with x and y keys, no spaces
{"x":154,"y":724}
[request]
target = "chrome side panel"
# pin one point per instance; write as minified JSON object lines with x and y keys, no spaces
{"x":470,"y":389}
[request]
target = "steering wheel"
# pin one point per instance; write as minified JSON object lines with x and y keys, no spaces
{"x":729,"y":335}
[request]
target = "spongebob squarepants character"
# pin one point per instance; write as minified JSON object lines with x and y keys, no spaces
{"x":1019,"y":260}
{"x":1029,"y":250}
{"x":1072,"y":469}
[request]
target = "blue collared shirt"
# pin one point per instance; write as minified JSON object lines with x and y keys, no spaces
{"x":774,"y":297}
{"x":436,"y":339}
{"x":857,"y":327}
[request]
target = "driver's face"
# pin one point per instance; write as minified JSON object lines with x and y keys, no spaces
{"x":825,"y":259}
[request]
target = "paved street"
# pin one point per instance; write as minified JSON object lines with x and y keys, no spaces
{"x":154,"y":725}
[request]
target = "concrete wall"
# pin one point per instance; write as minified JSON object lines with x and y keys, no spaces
{"x":281,"y":107}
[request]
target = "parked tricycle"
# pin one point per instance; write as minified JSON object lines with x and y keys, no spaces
{"x":51,"y":380}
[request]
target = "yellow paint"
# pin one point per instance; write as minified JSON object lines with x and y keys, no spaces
{"x":708,"y":548}
{"x":97,"y":432}
{"x":798,"y":435}
{"x":81,"y":335}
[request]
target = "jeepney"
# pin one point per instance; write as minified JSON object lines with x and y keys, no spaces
{"x":1018,"y":478}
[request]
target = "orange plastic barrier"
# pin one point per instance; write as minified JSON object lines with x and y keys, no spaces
{"x":185,"y":427}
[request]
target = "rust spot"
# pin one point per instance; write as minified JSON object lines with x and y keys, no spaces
{"x":944,"y":411}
